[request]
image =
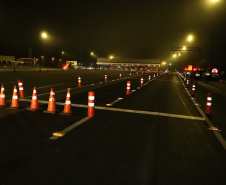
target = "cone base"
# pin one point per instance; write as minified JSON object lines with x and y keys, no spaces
{"x":67,"y":114}
{"x":33,"y":109}
{"x":2,"y":106}
{"x":50,"y":112}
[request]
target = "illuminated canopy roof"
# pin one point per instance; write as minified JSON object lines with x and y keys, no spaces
{"x":127,"y":61}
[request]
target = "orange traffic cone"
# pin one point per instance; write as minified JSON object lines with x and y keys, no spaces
{"x":15,"y":102}
{"x":67,"y":106}
{"x":51,"y":106}
{"x":2,"y":97}
{"x":34,"y":101}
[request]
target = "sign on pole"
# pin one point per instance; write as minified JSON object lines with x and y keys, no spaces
{"x":214,"y":70}
{"x":189,"y":67}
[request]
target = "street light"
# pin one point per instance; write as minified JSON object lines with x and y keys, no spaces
{"x":93,"y":58}
{"x":190,"y":38}
{"x":44,"y":36}
{"x":62,"y":56}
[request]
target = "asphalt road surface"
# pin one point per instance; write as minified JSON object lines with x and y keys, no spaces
{"x":155,"y":135}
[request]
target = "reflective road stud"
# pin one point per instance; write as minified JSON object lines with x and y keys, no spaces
{"x":208,"y":103}
{"x":79,"y":81}
{"x":2,"y":97}
{"x":91,"y":98}
{"x":149,"y":78}
{"x":141,"y":81}
{"x":106,"y":78}
{"x":128,"y":88}
{"x":21,"y":88}
{"x":193,"y":90}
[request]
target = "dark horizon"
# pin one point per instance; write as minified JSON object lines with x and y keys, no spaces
{"x":145,"y":29}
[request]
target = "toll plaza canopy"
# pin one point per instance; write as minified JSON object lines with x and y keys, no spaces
{"x":129,"y":63}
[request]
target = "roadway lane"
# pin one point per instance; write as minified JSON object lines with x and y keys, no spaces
{"x":217,"y":89}
{"x":114,"y":147}
{"x":58,"y":80}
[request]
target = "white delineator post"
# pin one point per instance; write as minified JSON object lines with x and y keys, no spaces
{"x":128,"y":88}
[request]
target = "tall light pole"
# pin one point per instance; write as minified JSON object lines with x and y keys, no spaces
{"x":93,"y":55}
{"x":62,"y":55}
{"x":44,"y":36}
{"x":40,"y":64}
{"x":212,"y":36}
{"x":189,"y":39}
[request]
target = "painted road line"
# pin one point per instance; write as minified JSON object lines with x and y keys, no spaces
{"x":48,"y":86}
{"x":150,"y":113}
{"x":112,"y":103}
{"x":127,"y":110}
{"x":68,"y":129}
{"x":208,"y":86}
{"x":210,"y":124}
{"x":72,"y":88}
{"x":57,"y":103}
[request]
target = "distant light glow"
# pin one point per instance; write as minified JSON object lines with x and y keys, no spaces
{"x":174,"y":55}
{"x":44,"y":35}
{"x":190,"y":38}
{"x":184,"y":48}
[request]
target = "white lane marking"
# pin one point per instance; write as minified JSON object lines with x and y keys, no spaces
{"x":209,"y":86}
{"x":48,"y":86}
{"x":217,"y":134}
{"x":150,"y":113}
{"x":72,"y":88}
{"x":127,"y":110}
{"x":68,"y":129}
{"x":112,"y":103}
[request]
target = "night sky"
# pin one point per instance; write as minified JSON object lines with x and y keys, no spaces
{"x":127,"y":29}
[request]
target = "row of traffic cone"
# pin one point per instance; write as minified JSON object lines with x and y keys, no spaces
{"x":14,"y":103}
{"x":34,"y":102}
